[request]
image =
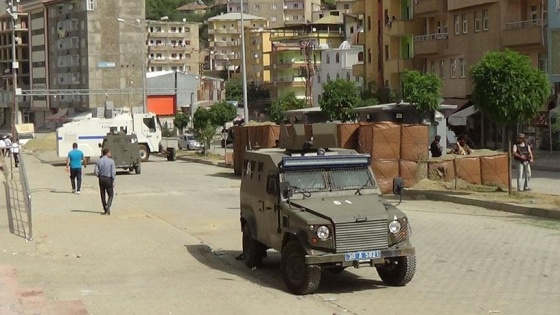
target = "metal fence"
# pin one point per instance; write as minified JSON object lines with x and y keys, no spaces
{"x":18,"y":194}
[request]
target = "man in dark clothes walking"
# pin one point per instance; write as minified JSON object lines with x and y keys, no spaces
{"x":106,"y":172}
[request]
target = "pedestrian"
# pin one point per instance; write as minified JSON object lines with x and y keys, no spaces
{"x":435,"y":147}
{"x":106,"y":172}
{"x":2,"y":146}
{"x":523,"y":157}
{"x":461,"y":147}
{"x":74,"y":163}
{"x":15,"y":152}
{"x":8,"y":142}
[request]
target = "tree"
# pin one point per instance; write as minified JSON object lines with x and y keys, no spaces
{"x":286,"y":102}
{"x":234,"y":90}
{"x":204,"y":130}
{"x":221,"y":113}
{"x":339,"y":98}
{"x":181,"y":121}
{"x":422,"y":89}
{"x":508,"y":90}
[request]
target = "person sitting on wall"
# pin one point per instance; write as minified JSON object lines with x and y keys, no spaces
{"x":461,"y":147}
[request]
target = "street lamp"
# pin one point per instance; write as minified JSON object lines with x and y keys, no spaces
{"x":244,"y":68}
{"x":140,"y":25}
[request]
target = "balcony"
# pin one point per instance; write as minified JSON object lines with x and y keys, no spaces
{"x":358,"y":70}
{"x":430,"y":44}
{"x":157,"y":47}
{"x":281,"y":35}
{"x":399,"y":28}
{"x":397,"y":65}
{"x":425,"y":7}
{"x":462,"y":4}
{"x":523,"y":34}
{"x":220,"y":43}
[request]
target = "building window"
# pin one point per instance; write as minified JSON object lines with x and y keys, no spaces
{"x":328,"y":58}
{"x":386,"y":52}
{"x":319,"y":79}
{"x":337,"y":75}
{"x":273,"y":18}
{"x":369,"y":23}
{"x":484,"y":20}
{"x":462,"y":67}
{"x":346,"y":6}
{"x":453,"y":68}
{"x":476,"y":21}
{"x":457,"y":24}
{"x":273,"y":6}
{"x":442,"y":69}
{"x":361,"y":54}
{"x":433,"y":67}
{"x":534,"y":12}
{"x":348,"y":78}
{"x":369,"y":55}
{"x":257,"y":7}
{"x":90,"y":5}
{"x":465,"y":23}
{"x":328,"y":77}
{"x":337,"y":58}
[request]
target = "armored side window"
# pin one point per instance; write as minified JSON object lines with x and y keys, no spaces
{"x":260,"y":167}
{"x":252,"y":168}
{"x":271,"y":184}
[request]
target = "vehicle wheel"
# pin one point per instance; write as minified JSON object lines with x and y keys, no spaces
{"x":336,"y":270}
{"x":144,"y":153}
{"x":399,"y":271}
{"x":300,"y":278}
{"x":253,"y":250}
{"x":137,"y":169}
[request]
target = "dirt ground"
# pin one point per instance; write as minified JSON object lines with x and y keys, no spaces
{"x":480,"y":192}
{"x":46,"y":143}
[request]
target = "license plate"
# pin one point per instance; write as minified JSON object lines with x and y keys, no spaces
{"x":362,"y":255}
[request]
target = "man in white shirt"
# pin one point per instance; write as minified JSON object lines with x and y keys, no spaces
{"x":2,"y":146}
{"x":15,"y":152}
{"x":8,"y":142}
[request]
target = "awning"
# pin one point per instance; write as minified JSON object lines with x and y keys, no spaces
{"x":460,"y":118}
{"x":60,"y":116}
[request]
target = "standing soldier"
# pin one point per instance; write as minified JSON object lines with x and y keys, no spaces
{"x":106,"y":172}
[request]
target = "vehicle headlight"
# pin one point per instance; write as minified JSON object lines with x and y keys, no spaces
{"x":323,"y":232}
{"x":394,"y":227}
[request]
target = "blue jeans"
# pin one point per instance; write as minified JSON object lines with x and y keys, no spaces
{"x":523,"y":175}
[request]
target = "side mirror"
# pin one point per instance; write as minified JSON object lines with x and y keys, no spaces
{"x":286,"y":190}
{"x":398,"y":185}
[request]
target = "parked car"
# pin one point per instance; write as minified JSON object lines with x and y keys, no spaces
{"x":188,"y":142}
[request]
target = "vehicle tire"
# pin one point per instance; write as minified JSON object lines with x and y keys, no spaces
{"x":144,"y":152}
{"x":399,"y":271}
{"x":253,"y":250}
{"x":300,"y":278}
{"x":336,"y":270}
{"x":138,"y":169}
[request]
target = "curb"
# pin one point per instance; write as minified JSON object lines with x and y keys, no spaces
{"x":203,"y":161}
{"x":494,"y":205}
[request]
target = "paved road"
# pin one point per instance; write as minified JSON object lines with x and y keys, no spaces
{"x":170,"y":248}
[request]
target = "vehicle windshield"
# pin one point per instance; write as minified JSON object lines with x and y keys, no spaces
{"x":330,"y":180}
{"x":190,"y":137}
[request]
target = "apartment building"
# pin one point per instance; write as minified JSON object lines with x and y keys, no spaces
{"x":224,"y":33}
{"x":258,"y":48}
{"x":296,"y":54}
{"x":278,"y":12}
{"x":554,"y":44}
{"x":337,"y":63}
{"x":439,"y":36}
{"x":173,"y":46}
{"x":21,"y":34}
{"x":95,"y":46}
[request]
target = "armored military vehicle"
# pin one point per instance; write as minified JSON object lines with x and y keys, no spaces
{"x":124,"y":149}
{"x":321,"y":208}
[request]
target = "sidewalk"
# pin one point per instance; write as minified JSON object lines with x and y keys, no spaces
{"x":547,"y":161}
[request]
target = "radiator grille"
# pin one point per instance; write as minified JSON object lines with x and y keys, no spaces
{"x":361,"y":236}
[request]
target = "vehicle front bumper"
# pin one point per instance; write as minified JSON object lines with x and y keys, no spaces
{"x":338,"y":259}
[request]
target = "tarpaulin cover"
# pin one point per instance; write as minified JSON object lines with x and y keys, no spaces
{"x":494,"y":170}
{"x":347,"y":135}
{"x":381,"y":140}
{"x":414,"y":142}
{"x":412,"y":172}
{"x":441,"y":170}
{"x":468,"y":169}
{"x":385,"y":171}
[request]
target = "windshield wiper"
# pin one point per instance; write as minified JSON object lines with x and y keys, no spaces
{"x":305,"y":193}
{"x":359,"y":190}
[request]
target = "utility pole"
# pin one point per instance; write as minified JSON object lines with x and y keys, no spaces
{"x":13,"y":11}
